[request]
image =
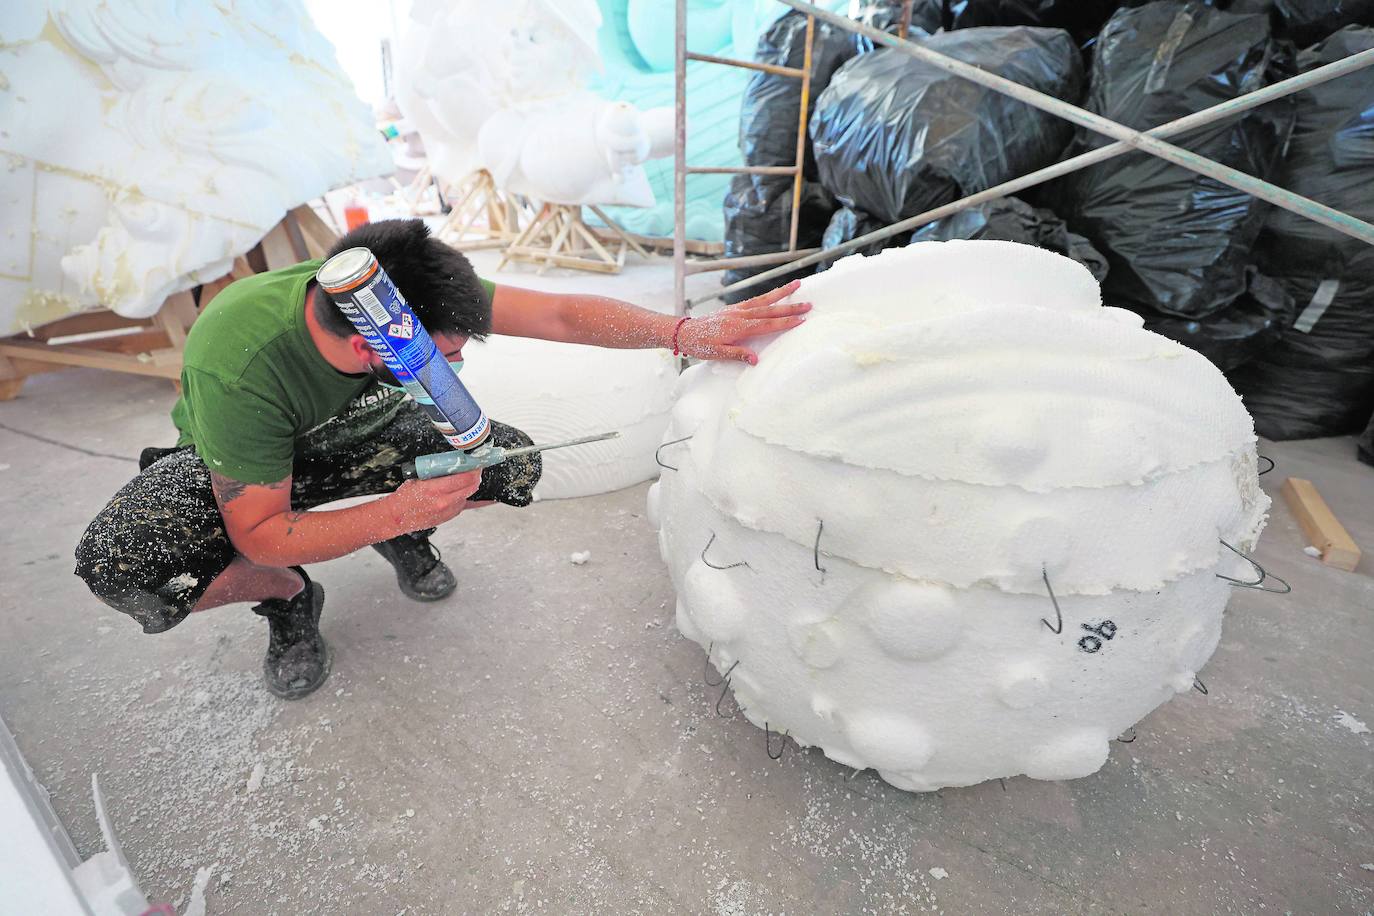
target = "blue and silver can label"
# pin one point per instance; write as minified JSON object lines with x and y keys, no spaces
{"x":367,"y":297}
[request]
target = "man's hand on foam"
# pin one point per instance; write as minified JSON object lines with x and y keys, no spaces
{"x":723,"y":334}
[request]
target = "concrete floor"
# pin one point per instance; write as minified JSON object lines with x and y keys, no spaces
{"x":543,"y":742}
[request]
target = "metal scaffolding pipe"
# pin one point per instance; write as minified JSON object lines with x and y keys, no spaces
{"x":1193,"y":121}
{"x":680,"y":159}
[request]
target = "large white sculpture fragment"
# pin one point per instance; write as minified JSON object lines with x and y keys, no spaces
{"x":147,"y":144}
{"x":863,"y":525}
{"x":502,"y":86}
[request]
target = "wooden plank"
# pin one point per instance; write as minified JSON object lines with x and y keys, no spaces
{"x":138,"y":342}
{"x":277,"y":250}
{"x":295,"y":237}
{"x":86,"y":358}
{"x":319,"y":237}
{"x":542,"y":255}
{"x":1319,"y":523}
{"x":624,"y":236}
{"x":210,"y":290}
{"x":242,"y":268}
{"x":660,"y":243}
{"x":11,"y":379}
{"x":85,"y":323}
{"x":22,"y":368}
{"x":175,"y":317}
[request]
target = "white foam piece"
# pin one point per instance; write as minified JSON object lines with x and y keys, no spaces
{"x":965,"y":418}
{"x":147,"y":145}
{"x":558,"y":391}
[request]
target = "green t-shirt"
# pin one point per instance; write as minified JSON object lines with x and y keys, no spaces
{"x":252,"y":381}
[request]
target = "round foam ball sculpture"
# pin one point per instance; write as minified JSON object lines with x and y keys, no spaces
{"x":963,"y":523}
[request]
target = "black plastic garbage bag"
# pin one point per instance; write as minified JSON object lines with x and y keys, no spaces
{"x":1303,"y":22}
{"x":1319,"y":379}
{"x":894,"y":136}
{"x":848,"y":224}
{"x":926,"y":15}
{"x":1239,"y":332}
{"x":1178,"y":242}
{"x":758,"y":220}
{"x":1009,"y":219}
{"x":772,"y":102}
{"x":1309,"y":21}
{"x":1080,"y":18}
{"x":758,"y":208}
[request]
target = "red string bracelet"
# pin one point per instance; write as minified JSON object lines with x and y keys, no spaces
{"x":677,"y":351}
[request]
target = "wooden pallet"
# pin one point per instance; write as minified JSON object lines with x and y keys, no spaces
{"x":153,"y":346}
{"x":480,"y":216}
{"x":661,"y":243}
{"x":557,"y":237}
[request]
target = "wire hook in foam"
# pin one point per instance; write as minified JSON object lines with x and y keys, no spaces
{"x":1058,"y":614}
{"x":768,"y":742}
{"x":1199,"y":686}
{"x":817,"y":549}
{"x":1272,"y":464}
{"x":706,"y":672}
{"x":720,"y":699}
{"x":712,"y":565}
{"x":1258,"y":584}
{"x":659,"y":451}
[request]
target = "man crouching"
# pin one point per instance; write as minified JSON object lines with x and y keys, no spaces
{"x":285,"y":408}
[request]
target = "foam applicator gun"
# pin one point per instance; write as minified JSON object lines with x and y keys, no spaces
{"x":442,"y":464}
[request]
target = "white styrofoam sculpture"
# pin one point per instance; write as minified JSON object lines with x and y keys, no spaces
{"x":148,"y":144}
{"x":955,"y":423}
{"x":501,"y":86}
{"x":556,"y":391}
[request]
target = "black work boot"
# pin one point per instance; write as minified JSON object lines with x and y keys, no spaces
{"x":297,"y":659}
{"x":422,"y":575}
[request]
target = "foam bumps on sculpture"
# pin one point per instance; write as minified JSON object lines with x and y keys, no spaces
{"x":147,"y":144}
{"x":955,"y":423}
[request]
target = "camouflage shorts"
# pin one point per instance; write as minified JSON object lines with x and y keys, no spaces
{"x":155,"y":548}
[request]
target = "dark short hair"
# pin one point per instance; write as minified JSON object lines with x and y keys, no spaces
{"x":437,"y":281}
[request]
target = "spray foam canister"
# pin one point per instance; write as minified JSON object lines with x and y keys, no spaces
{"x":367,"y":297}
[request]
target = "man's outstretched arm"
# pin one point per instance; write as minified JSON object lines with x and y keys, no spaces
{"x":265,"y":529}
{"x":604,"y":322}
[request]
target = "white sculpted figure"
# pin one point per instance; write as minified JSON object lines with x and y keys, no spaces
{"x":149,"y":143}
{"x":956,"y":424}
{"x":501,"y":86}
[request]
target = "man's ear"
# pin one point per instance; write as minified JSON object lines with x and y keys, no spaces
{"x":359,"y":348}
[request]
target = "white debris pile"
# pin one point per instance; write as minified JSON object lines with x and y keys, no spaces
{"x":866,"y":527}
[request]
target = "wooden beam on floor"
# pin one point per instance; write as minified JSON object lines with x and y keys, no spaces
{"x":1319,"y":523}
